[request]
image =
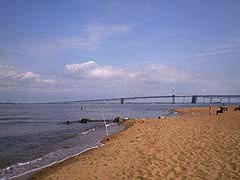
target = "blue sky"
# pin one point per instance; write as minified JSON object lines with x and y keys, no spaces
{"x":69,"y":50}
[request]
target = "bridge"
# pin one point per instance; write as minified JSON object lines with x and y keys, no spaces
{"x":171,"y":99}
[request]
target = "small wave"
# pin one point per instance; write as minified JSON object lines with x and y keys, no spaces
{"x":88,"y":131}
{"x":29,"y":162}
{"x":98,"y":144}
{"x":111,"y":124}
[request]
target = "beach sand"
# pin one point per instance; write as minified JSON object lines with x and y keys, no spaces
{"x":192,"y":146}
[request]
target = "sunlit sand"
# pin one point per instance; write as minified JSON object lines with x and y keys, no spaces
{"x":194,"y":145}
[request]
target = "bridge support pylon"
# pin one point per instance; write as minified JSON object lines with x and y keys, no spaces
{"x":173,"y":99}
{"x":194,"y":99}
{"x":122,"y":100}
{"x":211,"y":100}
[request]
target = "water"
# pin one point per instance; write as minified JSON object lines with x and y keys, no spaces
{"x":34,"y":135}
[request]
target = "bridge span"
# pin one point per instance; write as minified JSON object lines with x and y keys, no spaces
{"x":171,"y":99}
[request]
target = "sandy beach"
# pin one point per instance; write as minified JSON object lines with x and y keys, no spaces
{"x":192,"y":146}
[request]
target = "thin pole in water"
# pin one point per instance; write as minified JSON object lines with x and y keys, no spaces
{"x":105,"y":123}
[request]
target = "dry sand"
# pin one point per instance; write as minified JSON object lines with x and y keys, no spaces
{"x":192,"y":146}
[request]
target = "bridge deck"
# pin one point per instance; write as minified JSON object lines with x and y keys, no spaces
{"x":172,"y":97}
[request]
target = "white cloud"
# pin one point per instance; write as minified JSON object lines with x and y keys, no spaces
{"x":6,"y":72}
{"x":151,"y":72}
{"x":29,"y":75}
{"x":9,"y":75}
{"x":228,"y":47}
{"x":156,"y":72}
{"x":93,"y":70}
{"x":214,"y":52}
{"x":78,"y":67}
{"x":34,"y":77}
{"x":49,"y":81}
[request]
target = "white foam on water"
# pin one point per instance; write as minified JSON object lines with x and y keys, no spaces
{"x":28,"y":162}
{"x":9,"y":177}
{"x":88,"y":131}
{"x":10,"y":172}
{"x":111,"y":124}
{"x":55,"y":162}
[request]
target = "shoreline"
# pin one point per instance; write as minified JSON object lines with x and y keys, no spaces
{"x":127,"y":124}
{"x":30,"y":174}
{"x":52,"y":164}
{"x":136,"y":152}
{"x":27,"y":174}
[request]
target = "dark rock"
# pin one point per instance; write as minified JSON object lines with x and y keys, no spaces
{"x":85,"y":120}
{"x":119,"y":120}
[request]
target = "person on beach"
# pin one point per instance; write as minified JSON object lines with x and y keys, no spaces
{"x":210,"y":109}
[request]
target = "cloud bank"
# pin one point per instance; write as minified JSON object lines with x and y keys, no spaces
{"x":148,"y":72}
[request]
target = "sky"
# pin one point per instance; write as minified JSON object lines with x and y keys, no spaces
{"x":74,"y":50}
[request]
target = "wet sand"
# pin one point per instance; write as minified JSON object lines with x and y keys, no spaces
{"x":191,"y":146}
